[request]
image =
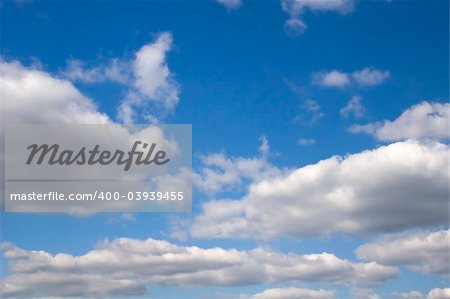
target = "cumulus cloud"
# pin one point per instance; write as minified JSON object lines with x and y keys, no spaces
{"x":398,"y":186}
{"x":230,"y":4}
{"x":125,"y":266}
{"x":152,"y":82}
{"x":368,"y":76}
{"x":291,"y":293}
{"x":32,"y":96}
{"x":264,"y":148}
{"x":115,"y":71}
{"x":423,"y":252}
{"x":353,"y":107}
{"x":439,"y":293}
{"x":25,"y":90}
{"x":147,"y":78}
{"x":296,"y":9}
{"x":421,"y":121}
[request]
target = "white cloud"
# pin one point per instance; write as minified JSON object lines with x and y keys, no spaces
{"x":353,"y":107}
{"x":423,"y":252}
{"x":306,"y":141}
{"x":152,"y":82}
{"x":63,"y":285}
{"x":296,"y":8}
{"x":421,"y":121}
{"x":126,"y":265}
{"x":408,"y":295}
{"x":32,"y":96}
{"x":115,"y":71}
{"x":370,"y":76}
{"x":311,"y":112}
{"x":219,"y":172}
{"x":439,"y":293}
{"x":153,"y":78}
{"x":333,"y":78}
{"x":393,"y":187}
{"x":291,"y":293}
{"x":294,"y":26}
{"x":26,"y":91}
{"x":147,"y":78}
{"x":264,"y":148}
{"x":230,"y":4}
{"x":364,"y":294}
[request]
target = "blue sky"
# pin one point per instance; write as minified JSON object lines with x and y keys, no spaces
{"x":242,"y":77}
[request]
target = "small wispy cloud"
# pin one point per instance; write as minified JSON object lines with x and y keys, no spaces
{"x":230,"y":4}
{"x":306,"y":141}
{"x":147,"y":79}
{"x":353,"y":108}
{"x":426,"y":120}
{"x":310,"y":113}
{"x":296,"y":8}
{"x":368,"y":76}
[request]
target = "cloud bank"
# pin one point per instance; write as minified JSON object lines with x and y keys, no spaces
{"x":126,"y":266}
{"x":393,"y":187}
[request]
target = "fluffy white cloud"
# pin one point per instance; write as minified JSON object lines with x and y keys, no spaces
{"x":30,"y":95}
{"x":292,"y":293}
{"x":424,"y":252}
{"x":333,"y":78}
{"x":147,"y":78}
{"x":368,"y":76}
{"x":398,"y":186}
{"x":421,"y":121}
{"x":439,"y":293}
{"x":353,"y":107}
{"x":311,"y":112}
{"x":230,"y":4}
{"x":126,"y":265}
{"x":264,"y":148}
{"x":296,"y":8}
